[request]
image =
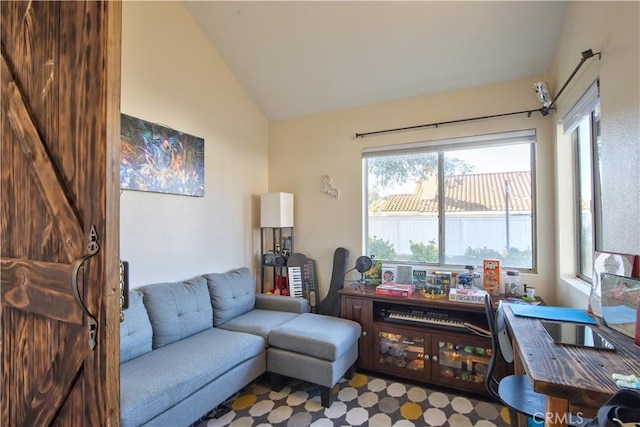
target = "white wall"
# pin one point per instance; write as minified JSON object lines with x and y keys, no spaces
{"x":172,"y":75}
{"x":612,"y":28}
{"x":302,"y":150}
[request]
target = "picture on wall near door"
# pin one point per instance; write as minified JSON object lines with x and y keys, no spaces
{"x":159,"y":159}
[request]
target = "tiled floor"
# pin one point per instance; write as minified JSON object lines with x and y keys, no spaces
{"x":362,"y":401}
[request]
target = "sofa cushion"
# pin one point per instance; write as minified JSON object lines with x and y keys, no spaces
{"x":135,"y":330}
{"x":232,"y":293}
{"x":158,"y":380}
{"x":323,"y":337}
{"x":177,"y":310}
{"x":259,"y":322}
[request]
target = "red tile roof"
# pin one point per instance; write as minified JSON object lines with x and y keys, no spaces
{"x":468,"y":193}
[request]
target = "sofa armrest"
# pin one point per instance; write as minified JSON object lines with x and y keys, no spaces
{"x":281,"y":303}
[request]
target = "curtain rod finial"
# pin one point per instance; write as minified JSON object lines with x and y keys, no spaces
{"x":587,"y":54}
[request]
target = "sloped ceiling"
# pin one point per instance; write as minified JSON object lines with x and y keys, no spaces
{"x":297,"y":58}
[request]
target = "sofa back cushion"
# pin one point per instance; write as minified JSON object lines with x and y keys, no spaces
{"x":232,"y":293}
{"x":177,"y":310}
{"x":135,"y":330}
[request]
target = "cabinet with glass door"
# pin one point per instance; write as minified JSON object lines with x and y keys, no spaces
{"x":402,"y":351}
{"x":460,"y":361}
{"x":456,"y":360}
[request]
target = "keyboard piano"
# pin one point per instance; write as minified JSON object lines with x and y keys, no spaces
{"x":429,"y":317}
{"x":302,"y":278}
{"x":295,"y":281}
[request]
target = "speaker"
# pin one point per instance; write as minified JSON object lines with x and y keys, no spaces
{"x":363,"y":264}
{"x":272,"y":259}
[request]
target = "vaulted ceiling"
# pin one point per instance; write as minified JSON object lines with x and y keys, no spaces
{"x":297,"y":58}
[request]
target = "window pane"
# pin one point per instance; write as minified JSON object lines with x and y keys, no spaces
{"x":403,"y":207}
{"x":585,"y":197}
{"x":457,"y":206}
{"x":488,"y":210}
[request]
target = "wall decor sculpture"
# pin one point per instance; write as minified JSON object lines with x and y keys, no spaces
{"x":328,"y":187}
{"x":160,"y":159}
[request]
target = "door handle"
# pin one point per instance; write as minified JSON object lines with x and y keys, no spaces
{"x":92,"y":249}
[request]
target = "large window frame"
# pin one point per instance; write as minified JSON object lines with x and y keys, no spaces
{"x":582,"y":122}
{"x":441,"y":148}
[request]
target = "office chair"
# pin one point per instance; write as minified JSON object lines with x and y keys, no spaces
{"x":513,"y":391}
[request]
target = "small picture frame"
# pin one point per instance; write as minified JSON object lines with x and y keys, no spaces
{"x":620,"y":302}
{"x":613,"y":263}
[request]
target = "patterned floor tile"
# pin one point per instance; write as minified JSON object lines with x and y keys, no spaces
{"x":361,"y":401}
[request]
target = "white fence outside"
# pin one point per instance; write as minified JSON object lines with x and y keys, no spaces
{"x":461,"y":233}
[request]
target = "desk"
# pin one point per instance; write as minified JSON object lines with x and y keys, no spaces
{"x":574,"y":379}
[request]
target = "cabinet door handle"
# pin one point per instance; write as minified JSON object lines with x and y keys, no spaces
{"x":364,"y":333}
{"x":426,"y":357}
{"x":435,"y":358}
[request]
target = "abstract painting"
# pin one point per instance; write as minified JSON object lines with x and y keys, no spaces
{"x":159,"y":159}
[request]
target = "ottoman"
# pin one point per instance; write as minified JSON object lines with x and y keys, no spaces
{"x":314,"y":348}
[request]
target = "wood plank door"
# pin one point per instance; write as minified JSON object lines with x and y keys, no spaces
{"x":60,"y":212}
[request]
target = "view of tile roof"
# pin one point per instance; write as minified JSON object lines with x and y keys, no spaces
{"x":467,"y":193}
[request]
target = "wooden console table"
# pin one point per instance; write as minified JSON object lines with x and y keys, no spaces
{"x":441,"y":354}
{"x":575,"y":379}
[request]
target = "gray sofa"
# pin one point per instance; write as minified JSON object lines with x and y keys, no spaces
{"x":186,"y":347}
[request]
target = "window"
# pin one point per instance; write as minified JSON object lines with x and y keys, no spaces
{"x":583,"y":122}
{"x":453,"y":202}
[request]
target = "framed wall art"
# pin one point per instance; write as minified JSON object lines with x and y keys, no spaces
{"x":159,"y":159}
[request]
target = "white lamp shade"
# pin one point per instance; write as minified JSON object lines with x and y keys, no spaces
{"x":276,"y":210}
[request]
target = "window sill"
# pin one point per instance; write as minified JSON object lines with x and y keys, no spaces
{"x":577,"y":284}
{"x":573,"y":292}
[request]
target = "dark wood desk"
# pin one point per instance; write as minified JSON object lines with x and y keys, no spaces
{"x":574,"y":379}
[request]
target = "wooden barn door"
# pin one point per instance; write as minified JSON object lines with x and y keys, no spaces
{"x":60,"y":208}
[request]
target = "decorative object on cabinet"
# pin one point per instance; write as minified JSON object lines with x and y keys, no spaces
{"x":160,"y":159}
{"x":404,"y":275}
{"x":373,"y":276}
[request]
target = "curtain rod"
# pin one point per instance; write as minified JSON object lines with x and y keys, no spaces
{"x":544,"y":110}
{"x":585,"y":55}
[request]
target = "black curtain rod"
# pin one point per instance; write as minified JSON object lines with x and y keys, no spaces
{"x":544,"y":110}
{"x":585,"y":55}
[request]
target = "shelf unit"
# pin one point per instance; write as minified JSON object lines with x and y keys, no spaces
{"x":274,"y":241}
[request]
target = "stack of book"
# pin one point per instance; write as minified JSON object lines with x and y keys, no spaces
{"x":474,"y":296}
{"x":396,"y":290}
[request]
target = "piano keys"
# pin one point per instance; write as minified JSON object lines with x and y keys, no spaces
{"x":301,"y":272}
{"x":295,"y":281}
